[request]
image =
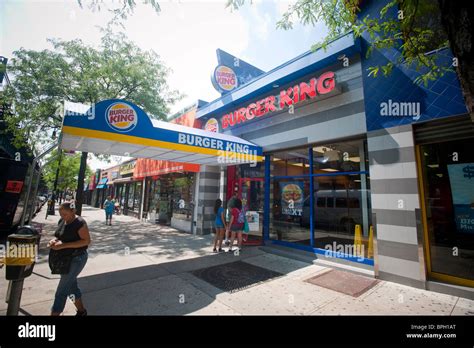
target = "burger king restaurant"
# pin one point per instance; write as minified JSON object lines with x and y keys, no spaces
{"x":312,"y":191}
{"x":354,"y":170}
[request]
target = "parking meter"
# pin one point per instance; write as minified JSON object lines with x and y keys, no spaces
{"x":20,"y":258}
{"x":21,"y":253}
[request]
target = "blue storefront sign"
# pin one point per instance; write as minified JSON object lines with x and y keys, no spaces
{"x":118,"y":121}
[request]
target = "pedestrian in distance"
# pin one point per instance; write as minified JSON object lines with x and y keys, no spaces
{"x":220,"y":225}
{"x":109,"y":207}
{"x":236,"y":224}
{"x":69,"y":248}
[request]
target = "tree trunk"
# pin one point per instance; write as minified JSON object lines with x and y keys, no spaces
{"x":80,"y":183}
{"x":457,"y":18}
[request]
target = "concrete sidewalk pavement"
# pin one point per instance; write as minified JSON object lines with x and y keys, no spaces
{"x":136,"y":268}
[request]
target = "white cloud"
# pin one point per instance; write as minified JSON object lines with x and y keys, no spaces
{"x":186,"y":36}
{"x":283,"y":5}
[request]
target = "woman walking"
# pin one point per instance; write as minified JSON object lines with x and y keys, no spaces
{"x":236,"y":224}
{"x":220,"y":225}
{"x":109,"y":207}
{"x":70,"y":243}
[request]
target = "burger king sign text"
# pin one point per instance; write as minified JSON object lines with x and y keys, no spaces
{"x":225,"y":79}
{"x":288,"y":97}
{"x":121,"y":117}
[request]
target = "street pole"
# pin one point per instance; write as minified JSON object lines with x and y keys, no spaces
{"x":30,"y":181}
{"x":55,"y":188}
{"x":80,"y":183}
{"x":15,"y":288}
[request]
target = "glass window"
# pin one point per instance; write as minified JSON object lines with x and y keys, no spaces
{"x":341,"y":197}
{"x":448,"y":178}
{"x":290,"y":214}
{"x":336,"y":223}
{"x":130,"y":196}
{"x":137,"y":196}
{"x":321,"y":202}
{"x":182,"y":195}
{"x":337,"y":157}
{"x":291,"y":162}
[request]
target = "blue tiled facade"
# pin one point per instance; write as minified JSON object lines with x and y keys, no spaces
{"x":440,"y":98}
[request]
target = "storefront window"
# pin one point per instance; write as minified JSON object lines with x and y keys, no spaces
{"x":448,"y":179}
{"x":337,"y":157}
{"x":130,"y":195}
{"x":291,"y":163}
{"x":137,"y":197}
{"x":182,"y":196}
{"x":341,"y":205}
{"x":288,"y":221}
{"x":155,"y":196}
{"x":340,"y":198}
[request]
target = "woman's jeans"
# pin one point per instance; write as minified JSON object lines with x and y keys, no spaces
{"x":68,"y":283}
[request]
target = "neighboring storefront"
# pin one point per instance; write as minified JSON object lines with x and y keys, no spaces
{"x":169,"y":192}
{"x":127,"y":190}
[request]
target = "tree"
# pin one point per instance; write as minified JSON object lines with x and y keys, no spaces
{"x":68,"y":171}
{"x":415,"y":31}
{"x":121,"y":9}
{"x":75,"y":72}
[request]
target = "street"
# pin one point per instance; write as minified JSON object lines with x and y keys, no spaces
{"x":136,"y":268}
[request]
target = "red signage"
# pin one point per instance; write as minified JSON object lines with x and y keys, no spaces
{"x":14,"y":186}
{"x":150,"y":167}
{"x":287,"y":97}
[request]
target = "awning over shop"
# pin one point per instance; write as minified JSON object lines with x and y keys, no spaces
{"x":123,"y":180}
{"x":102,"y":183}
{"x":147,"y":167}
{"x":118,"y":127}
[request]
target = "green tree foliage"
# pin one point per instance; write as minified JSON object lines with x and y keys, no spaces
{"x":120,"y":9}
{"x":416,"y":30}
{"x":67,"y":178}
{"x":73,"y":71}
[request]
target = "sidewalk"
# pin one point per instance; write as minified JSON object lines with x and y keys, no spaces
{"x":136,"y":268}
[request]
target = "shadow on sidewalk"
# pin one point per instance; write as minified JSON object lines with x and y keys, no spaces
{"x":173,"y":288}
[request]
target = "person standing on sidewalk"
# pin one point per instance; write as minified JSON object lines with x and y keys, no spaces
{"x":109,"y":207}
{"x":72,"y":239}
{"x":230,"y":205}
{"x":219,"y":223}
{"x":236,"y":224}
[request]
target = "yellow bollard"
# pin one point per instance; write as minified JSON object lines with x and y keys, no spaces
{"x":357,"y":236}
{"x":370,"y":251}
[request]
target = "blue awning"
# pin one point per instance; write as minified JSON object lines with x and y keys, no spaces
{"x":102,"y":183}
{"x":118,"y":127}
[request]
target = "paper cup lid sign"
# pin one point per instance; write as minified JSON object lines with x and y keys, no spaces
{"x":121,"y":117}
{"x":225,"y":78}
{"x":212,"y":125}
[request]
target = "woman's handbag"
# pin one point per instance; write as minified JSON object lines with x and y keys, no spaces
{"x":59,"y":263}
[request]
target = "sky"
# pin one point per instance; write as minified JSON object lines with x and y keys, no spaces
{"x":185,"y":34}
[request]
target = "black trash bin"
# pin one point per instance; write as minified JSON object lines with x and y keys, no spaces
{"x":21,"y":253}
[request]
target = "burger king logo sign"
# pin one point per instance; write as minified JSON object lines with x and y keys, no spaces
{"x":121,"y":117}
{"x":212,"y":125}
{"x":225,"y":78}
